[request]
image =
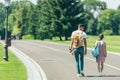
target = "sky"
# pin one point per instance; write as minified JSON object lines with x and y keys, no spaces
{"x":112,"y":4}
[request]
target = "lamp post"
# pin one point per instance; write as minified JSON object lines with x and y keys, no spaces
{"x":7,"y":4}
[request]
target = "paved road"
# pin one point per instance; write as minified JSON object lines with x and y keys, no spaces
{"x":58,"y":64}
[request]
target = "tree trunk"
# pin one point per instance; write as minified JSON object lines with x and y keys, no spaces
{"x":66,"y":37}
{"x":60,"y":38}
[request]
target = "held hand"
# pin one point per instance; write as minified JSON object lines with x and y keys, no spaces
{"x":70,"y":50}
{"x":85,"y":52}
{"x":105,"y":55}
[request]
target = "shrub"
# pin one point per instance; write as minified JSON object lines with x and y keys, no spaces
{"x":28,"y":37}
{"x":108,"y":32}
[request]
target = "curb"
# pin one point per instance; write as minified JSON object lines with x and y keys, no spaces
{"x":34,"y":71}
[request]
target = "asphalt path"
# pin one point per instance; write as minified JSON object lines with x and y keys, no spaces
{"x":59,"y":64}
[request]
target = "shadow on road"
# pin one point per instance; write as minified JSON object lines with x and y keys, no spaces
{"x":103,"y":76}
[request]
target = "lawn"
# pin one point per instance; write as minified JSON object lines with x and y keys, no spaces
{"x":112,"y":42}
{"x":14,"y":69}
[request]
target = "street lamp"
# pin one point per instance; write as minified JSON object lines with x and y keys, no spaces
{"x":7,"y":4}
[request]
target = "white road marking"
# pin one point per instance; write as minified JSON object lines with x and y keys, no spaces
{"x":111,"y":66}
{"x":51,"y":48}
{"x":114,"y":53}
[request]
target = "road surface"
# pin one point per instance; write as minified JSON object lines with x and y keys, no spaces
{"x":59,"y":64}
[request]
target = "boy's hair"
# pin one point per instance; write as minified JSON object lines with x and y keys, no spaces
{"x":80,"y":25}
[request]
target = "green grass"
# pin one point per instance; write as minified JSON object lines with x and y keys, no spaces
{"x":14,"y":69}
{"x":113,"y":42}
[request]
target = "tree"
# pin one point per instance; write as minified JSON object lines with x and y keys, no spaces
{"x":93,"y":8}
{"x":2,"y":20}
{"x":45,"y":20}
{"x":118,"y":7}
{"x":60,"y":17}
{"x":21,"y":18}
{"x":2,"y":15}
{"x":109,"y":20}
{"x":71,"y":15}
{"x":34,"y":22}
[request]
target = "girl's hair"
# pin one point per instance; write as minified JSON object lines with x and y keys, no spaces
{"x":101,"y":36}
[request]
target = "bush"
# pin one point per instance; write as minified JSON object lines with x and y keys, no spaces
{"x":28,"y":37}
{"x":108,"y":32}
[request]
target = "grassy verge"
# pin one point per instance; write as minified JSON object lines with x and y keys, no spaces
{"x":112,"y":42}
{"x":13,"y":69}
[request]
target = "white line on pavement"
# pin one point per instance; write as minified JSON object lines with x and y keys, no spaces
{"x":114,"y":53}
{"x":111,"y":66}
{"x":51,"y":48}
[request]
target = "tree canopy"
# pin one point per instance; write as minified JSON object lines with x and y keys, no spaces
{"x":58,"y":18}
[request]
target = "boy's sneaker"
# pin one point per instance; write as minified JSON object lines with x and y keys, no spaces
{"x":82,"y":74}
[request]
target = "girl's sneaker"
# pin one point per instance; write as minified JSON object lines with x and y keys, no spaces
{"x":100,"y":74}
{"x":78,"y":75}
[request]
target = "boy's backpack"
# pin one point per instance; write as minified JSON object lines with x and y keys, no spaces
{"x":78,"y":39}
